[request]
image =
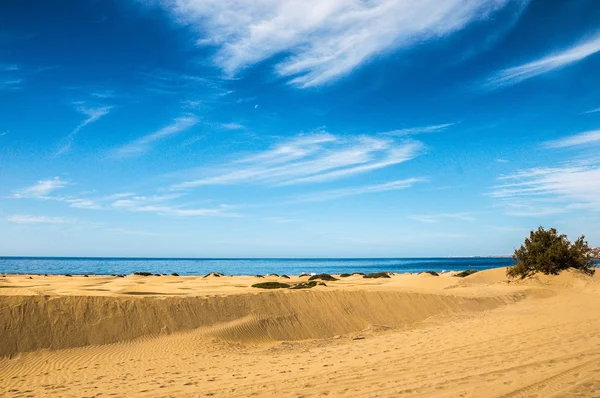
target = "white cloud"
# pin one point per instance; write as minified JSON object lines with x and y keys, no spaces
{"x":434,"y":218}
{"x":116,"y":196}
{"x":159,"y":204}
{"x":585,"y":138}
{"x":592,"y":111}
{"x":143,"y":144}
{"x":312,"y":158}
{"x":232,"y":126}
{"x":28,"y":219}
{"x":82,"y":203}
{"x":11,"y":84}
{"x":41,"y":189}
{"x":321,"y":40}
{"x":550,"y":190}
{"x":517,"y":74}
{"x":92,"y":114}
{"x":104,"y":94}
{"x":3,"y":133}
{"x":359,"y":190}
{"x":419,"y":130}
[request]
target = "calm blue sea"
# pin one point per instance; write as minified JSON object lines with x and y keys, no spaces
{"x":200,"y":266}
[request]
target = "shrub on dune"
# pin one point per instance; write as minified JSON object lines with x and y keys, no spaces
{"x":377,"y":275}
{"x":271,"y":285}
{"x":464,"y":273}
{"x":548,"y":252}
{"x":323,"y":277}
{"x":304,"y":285}
{"x":143,"y":273}
{"x":215,"y":274}
{"x":430,"y":273}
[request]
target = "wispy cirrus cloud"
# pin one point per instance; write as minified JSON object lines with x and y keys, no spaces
{"x":359,"y":190}
{"x":321,"y":40}
{"x":143,"y":144}
{"x":596,"y":110}
{"x":586,"y":138}
{"x":549,"y":63}
{"x":232,"y":126}
{"x":434,"y":218}
{"x":312,"y":158}
{"x":29,"y":219}
{"x":170,"y":82}
{"x":92,"y":115}
{"x":160,"y":204}
{"x":419,"y":130}
{"x":82,"y":203}
{"x":550,"y":190}
{"x":45,"y":190}
{"x":11,"y":84}
{"x":104,"y":94}
{"x":41,"y":189}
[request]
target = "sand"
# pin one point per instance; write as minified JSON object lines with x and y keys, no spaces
{"x":410,"y":335}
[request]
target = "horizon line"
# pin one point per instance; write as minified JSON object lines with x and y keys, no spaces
{"x":245,"y":258}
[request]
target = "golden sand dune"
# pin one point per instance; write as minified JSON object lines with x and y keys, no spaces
{"x":410,"y":335}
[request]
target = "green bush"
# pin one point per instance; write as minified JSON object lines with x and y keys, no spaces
{"x":377,"y":275}
{"x":323,"y":277}
{"x":304,"y":285}
{"x":464,"y":273}
{"x":143,"y":273}
{"x":430,"y":273}
{"x":271,"y":285}
{"x":546,"y":251}
{"x":215,"y":274}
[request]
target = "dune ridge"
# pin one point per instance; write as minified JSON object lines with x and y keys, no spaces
{"x":57,"y":322}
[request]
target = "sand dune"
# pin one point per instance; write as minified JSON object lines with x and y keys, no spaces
{"x":410,"y":335}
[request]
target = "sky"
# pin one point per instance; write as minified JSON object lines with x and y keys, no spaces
{"x":284,"y":128}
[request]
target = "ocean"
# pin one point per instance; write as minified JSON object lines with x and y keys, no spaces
{"x":239,"y":266}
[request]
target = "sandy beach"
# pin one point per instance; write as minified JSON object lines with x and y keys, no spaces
{"x":408,"y":335}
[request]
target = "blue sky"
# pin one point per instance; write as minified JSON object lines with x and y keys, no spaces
{"x":279,"y":128}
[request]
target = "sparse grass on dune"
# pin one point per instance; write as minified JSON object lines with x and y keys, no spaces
{"x":271,"y":285}
{"x":377,"y":275}
{"x":215,"y":274}
{"x":305,"y":285}
{"x":466,"y":272}
{"x":323,"y":277}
